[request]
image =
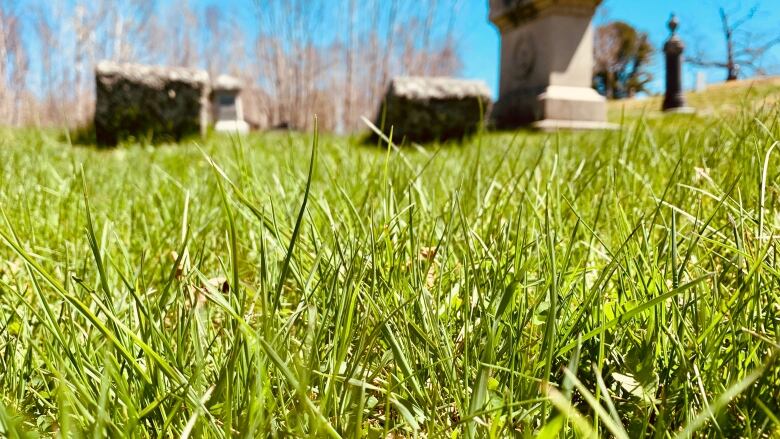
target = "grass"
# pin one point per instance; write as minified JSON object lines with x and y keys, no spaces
{"x":617,"y":284}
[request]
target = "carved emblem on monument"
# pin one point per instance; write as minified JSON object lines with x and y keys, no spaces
{"x":525,"y":57}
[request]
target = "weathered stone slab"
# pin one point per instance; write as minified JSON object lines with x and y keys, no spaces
{"x":547,"y":65}
{"x":164,"y":103}
{"x":423,"y":109}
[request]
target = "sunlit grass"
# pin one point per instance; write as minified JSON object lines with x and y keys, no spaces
{"x":618,"y":283}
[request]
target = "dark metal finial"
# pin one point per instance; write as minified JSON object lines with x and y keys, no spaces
{"x":673,"y":23}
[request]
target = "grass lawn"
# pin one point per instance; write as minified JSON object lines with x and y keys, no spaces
{"x":620,"y":284}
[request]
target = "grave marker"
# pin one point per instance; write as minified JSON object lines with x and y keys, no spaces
{"x":227,"y":108}
{"x":423,"y":109}
{"x":547,"y":65}
{"x":163,"y":103}
{"x":674,"y":99}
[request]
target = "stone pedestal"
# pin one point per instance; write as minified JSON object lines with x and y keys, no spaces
{"x":547,"y":65}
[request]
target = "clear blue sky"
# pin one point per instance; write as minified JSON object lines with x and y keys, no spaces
{"x":700,"y":26}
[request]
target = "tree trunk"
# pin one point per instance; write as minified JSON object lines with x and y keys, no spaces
{"x":731,"y":65}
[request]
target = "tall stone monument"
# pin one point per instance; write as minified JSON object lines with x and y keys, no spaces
{"x":674,"y":98}
{"x":547,"y":65}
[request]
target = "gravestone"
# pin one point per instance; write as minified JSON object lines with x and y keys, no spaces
{"x":674,"y":98}
{"x":163,"y":103}
{"x":226,"y":105}
{"x":423,"y":109}
{"x":547,"y":65}
{"x":701,"y":82}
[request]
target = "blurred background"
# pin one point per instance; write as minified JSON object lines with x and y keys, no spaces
{"x":335,"y":57}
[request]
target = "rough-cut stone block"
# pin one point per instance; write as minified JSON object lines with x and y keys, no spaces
{"x":163,"y":103}
{"x":425,"y":109}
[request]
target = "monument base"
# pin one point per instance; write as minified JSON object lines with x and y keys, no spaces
{"x":557,"y":107}
{"x":576,"y":104}
{"x":574,"y":125}
{"x":231,"y":126}
{"x":680,"y":110}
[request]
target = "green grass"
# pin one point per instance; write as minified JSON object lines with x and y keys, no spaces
{"x":617,"y":284}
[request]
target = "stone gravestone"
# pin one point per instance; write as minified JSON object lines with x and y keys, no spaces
{"x":423,"y":109}
{"x":674,"y":98}
{"x":547,"y":65}
{"x":161,"y":102}
{"x":226,"y":106}
{"x":701,"y":82}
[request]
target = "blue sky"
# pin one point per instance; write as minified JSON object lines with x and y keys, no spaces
{"x":700,"y":25}
{"x":479,"y":40}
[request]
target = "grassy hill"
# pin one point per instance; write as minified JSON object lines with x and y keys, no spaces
{"x":521,"y":284}
{"x":727,"y":97}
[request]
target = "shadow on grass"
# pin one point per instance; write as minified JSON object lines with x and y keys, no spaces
{"x":86,"y":136}
{"x":375,"y":140}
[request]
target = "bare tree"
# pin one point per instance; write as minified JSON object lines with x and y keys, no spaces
{"x":304,"y":57}
{"x":365,"y":44}
{"x":14,"y":64}
{"x":746,"y":48}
